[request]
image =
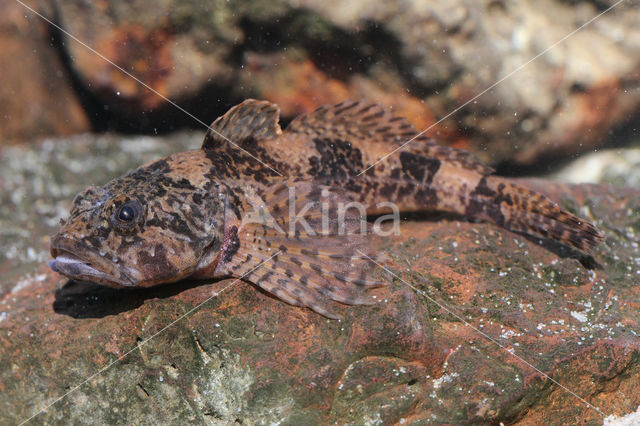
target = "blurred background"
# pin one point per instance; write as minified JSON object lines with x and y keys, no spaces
{"x":421,"y":58}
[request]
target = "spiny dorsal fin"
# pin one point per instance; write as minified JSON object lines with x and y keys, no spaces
{"x":364,"y":120}
{"x":325,"y":256}
{"x":250,"y":120}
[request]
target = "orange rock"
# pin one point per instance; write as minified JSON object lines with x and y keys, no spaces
{"x":481,"y":328}
{"x":297,"y":85}
{"x":143,"y":52}
{"x":37,"y":96}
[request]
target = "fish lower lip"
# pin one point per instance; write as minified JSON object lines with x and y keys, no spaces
{"x":71,"y":266}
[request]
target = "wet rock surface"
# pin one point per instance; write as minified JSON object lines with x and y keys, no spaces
{"x":424,"y":59}
{"x":454,"y":338}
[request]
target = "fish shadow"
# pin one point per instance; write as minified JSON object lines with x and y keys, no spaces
{"x":81,"y":299}
{"x":562,"y":251}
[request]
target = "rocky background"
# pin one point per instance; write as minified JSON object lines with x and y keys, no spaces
{"x":454,"y":339}
{"x":423,"y":58}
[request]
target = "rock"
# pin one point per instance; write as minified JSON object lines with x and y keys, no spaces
{"x":174,"y":48}
{"x":480,"y":326}
{"x":36,"y":92}
{"x":614,"y":166}
{"x":297,"y":85}
{"x":449,"y":53}
{"x":561,"y":90}
{"x":38,"y":183}
{"x":628,"y":420}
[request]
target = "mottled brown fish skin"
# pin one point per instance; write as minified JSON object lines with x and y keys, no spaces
{"x":219,"y":211}
{"x":333,"y":144}
{"x":179,"y":216}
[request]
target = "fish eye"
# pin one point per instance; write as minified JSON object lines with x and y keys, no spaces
{"x":128,"y":213}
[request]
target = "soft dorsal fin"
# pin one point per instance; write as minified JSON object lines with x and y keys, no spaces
{"x":250,"y":120}
{"x":364,"y":120}
{"x":351,"y":119}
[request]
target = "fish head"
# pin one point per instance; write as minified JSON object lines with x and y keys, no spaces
{"x":149,"y":227}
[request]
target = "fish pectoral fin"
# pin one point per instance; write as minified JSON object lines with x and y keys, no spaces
{"x":245,"y":123}
{"x":299,"y":243}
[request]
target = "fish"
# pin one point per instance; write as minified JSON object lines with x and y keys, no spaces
{"x":273,"y":207}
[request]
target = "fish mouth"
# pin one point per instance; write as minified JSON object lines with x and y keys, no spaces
{"x":88,"y":266}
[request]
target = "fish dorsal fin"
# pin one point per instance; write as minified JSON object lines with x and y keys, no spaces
{"x":252,"y":120}
{"x":364,"y":120}
{"x":321,"y":257}
{"x":349,"y":119}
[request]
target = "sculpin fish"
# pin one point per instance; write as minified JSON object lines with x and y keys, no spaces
{"x":219,"y":212}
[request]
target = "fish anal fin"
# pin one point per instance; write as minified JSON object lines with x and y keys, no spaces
{"x":249,"y":121}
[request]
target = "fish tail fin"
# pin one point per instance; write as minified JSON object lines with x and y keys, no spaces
{"x":519,"y":209}
{"x":417,"y":181}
